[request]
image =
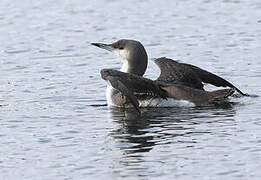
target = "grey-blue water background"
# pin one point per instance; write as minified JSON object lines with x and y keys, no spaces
{"x":50,"y":77}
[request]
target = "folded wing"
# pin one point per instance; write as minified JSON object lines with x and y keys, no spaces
{"x":132,"y":86}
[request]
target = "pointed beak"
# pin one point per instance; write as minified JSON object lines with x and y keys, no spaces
{"x":107,"y":47}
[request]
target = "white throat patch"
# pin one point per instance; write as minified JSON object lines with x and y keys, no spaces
{"x":124,"y":67}
{"x":124,"y":54}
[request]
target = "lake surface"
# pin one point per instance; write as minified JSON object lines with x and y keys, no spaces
{"x":50,"y":80}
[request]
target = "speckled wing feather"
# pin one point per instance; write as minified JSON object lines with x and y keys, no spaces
{"x":208,"y":77}
{"x":189,"y":75}
{"x":117,"y":84}
{"x":131,"y":85}
{"x":174,"y":72}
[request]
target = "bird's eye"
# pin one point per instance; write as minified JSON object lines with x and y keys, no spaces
{"x":120,"y":47}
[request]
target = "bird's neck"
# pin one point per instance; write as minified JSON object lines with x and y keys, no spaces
{"x":125,"y":67}
{"x":136,"y":67}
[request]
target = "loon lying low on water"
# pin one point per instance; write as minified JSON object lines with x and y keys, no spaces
{"x":178,"y":82}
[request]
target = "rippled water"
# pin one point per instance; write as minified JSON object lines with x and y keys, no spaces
{"x":50,"y":78}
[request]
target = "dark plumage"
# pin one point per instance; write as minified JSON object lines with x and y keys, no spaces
{"x":189,"y":75}
{"x":137,"y":84}
{"x":133,"y":87}
{"x":179,"y":81}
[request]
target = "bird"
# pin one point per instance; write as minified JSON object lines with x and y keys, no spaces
{"x":178,"y":83}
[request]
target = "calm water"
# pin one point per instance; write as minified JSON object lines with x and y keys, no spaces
{"x":50,"y":78}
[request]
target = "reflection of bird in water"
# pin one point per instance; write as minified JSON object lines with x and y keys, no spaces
{"x":130,"y":134}
{"x":179,"y":84}
{"x":135,"y":134}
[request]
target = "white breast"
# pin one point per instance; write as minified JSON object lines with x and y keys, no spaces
{"x":109,"y":95}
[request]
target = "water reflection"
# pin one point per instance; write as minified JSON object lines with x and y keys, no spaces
{"x":139,"y":134}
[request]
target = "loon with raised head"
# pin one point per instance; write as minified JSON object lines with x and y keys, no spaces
{"x":178,"y":84}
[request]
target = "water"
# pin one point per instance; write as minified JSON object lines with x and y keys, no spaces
{"x":50,"y":78}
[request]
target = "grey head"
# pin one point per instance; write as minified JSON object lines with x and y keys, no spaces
{"x":135,"y":59}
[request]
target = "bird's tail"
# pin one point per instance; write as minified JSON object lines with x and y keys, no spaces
{"x":219,"y":95}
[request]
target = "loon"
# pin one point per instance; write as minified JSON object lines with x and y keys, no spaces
{"x":178,"y":83}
